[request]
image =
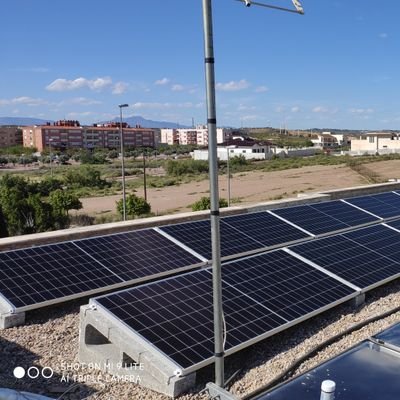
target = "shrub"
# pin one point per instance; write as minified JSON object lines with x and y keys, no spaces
{"x":205,"y":204}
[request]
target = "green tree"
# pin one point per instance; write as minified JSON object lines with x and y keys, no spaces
{"x":62,"y":202}
{"x":134,"y":206}
{"x":205,"y":204}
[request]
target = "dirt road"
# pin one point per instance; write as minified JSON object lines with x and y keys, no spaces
{"x":249,"y":187}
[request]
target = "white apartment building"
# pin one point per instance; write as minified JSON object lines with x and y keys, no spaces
{"x":197,"y":135}
{"x":376,"y":142}
{"x":324,"y":140}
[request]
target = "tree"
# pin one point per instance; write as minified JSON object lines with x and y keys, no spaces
{"x":134,"y":206}
{"x":205,"y":204}
{"x":85,"y":176}
{"x":62,"y":202}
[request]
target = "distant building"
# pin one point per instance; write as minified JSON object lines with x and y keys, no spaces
{"x":197,"y":135}
{"x":10,"y":136}
{"x":324,"y":140}
{"x":69,"y":134}
{"x":249,"y":149}
{"x":376,"y":142}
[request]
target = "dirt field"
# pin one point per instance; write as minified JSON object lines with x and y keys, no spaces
{"x":250,"y":187}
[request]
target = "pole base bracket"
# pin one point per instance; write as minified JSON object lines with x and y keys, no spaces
{"x":218,"y":393}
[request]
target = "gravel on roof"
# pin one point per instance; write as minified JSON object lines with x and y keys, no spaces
{"x":50,"y":339}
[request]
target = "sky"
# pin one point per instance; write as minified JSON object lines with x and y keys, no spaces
{"x":337,"y":66}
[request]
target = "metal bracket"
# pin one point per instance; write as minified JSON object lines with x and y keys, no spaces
{"x":217,"y":393}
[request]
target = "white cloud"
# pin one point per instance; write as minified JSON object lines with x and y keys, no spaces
{"x":361,"y":110}
{"x":279,"y":109}
{"x":83,"y":101}
{"x":79,"y":114}
{"x":249,"y":117}
{"x":243,"y":107}
{"x":177,"y":88}
{"x":120,"y":87}
{"x":383,"y":35}
{"x":261,"y":89}
{"x":62,"y":85}
{"x":155,"y":105}
{"x":320,"y":109}
{"x":163,"y":81}
{"x":29,"y":101}
{"x":233,"y":85}
{"x":295,"y":109}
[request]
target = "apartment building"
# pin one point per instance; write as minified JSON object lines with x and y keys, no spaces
{"x":197,"y":135}
{"x":10,"y":136}
{"x":69,"y":134}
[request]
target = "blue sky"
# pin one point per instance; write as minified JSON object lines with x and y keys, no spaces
{"x":335,"y":67}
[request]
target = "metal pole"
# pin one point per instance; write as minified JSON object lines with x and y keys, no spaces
{"x":51,"y":161}
{"x":214,"y":198}
{"x":121,"y":139}
{"x":144,"y":176}
{"x":229,"y":179}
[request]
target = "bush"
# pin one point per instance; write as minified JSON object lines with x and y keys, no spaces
{"x":178,"y":168}
{"x":85,"y":176}
{"x":205,"y":204}
{"x":135,"y":206}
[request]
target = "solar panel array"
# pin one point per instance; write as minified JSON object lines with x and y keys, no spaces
{"x":52,"y":273}
{"x":34,"y":277}
{"x":261,"y":294}
{"x":265,"y":293}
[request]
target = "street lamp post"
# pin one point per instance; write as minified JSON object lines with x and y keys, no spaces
{"x":144,"y":176}
{"x":217,"y":390}
{"x":121,"y":139}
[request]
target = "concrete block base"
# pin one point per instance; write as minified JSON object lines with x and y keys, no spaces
{"x":10,"y":320}
{"x":358,"y":301}
{"x":111,"y":346}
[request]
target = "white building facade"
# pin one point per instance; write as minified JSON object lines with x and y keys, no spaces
{"x":376,"y":142}
{"x":197,"y":135}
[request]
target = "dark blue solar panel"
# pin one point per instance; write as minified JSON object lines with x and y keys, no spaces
{"x":395,"y":224}
{"x":325,"y":217}
{"x":46,"y":273}
{"x":356,"y":256}
{"x":284,"y":284}
{"x":137,"y":254}
{"x":384,"y":205}
{"x":176,"y":315}
{"x":197,"y":236}
{"x":265,"y":228}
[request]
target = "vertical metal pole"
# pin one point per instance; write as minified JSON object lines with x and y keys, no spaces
{"x":229,"y":179}
{"x":51,"y":161}
{"x":121,"y":137}
{"x":144,"y":176}
{"x":214,"y":197}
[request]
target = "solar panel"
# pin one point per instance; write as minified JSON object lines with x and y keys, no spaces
{"x":176,"y":316}
{"x":265,"y":228}
{"x":394,"y":224}
{"x":46,"y":273}
{"x":366,"y":257}
{"x":384,"y":205}
{"x":197,"y":235}
{"x":284,"y":284}
{"x":137,"y":254}
{"x":261,"y":295}
{"x":325,"y":217}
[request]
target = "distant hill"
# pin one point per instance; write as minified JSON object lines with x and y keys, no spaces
{"x":148,"y":123}
{"x":22,"y":121}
